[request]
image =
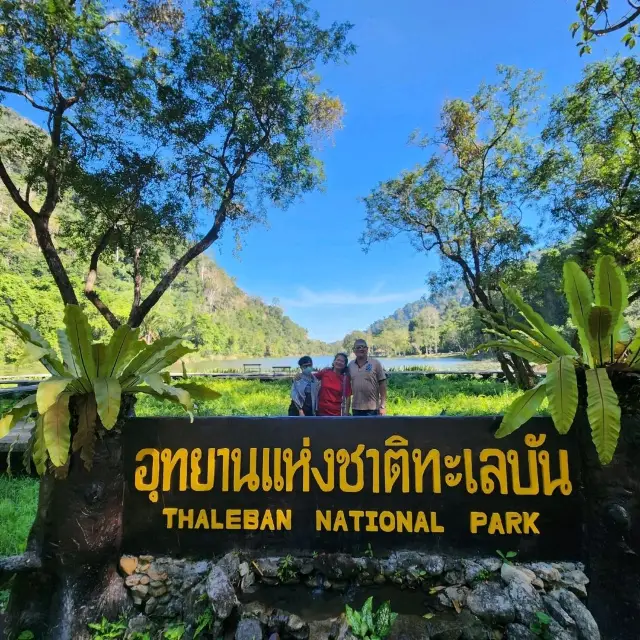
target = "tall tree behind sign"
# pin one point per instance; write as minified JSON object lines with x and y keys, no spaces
{"x":164,"y":128}
{"x":466,"y":201}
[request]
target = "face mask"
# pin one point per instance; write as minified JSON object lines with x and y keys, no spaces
{"x":307,"y":371}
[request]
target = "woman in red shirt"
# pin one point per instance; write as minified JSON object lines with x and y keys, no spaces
{"x":334,"y":397}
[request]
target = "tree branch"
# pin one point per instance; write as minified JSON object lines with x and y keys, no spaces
{"x":26,"y":96}
{"x":18,"y":564}
{"x":615,"y":27}
{"x":137,"y":284}
{"x":90,"y":282}
{"x":14,"y":192}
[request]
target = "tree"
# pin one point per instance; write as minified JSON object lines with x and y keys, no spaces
{"x":592,"y":168}
{"x":351,"y":337}
{"x":466,"y":201}
{"x":596,"y":19}
{"x":424,"y":330}
{"x":214,"y":119}
{"x":162,"y":137}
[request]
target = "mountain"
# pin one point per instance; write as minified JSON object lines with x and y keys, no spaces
{"x":222,"y":319}
{"x":402,"y":317}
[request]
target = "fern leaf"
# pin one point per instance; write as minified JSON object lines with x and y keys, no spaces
{"x":579,"y":294}
{"x":562,"y":392}
{"x":603,"y":412}
{"x":521,"y":410}
{"x":85,"y":438}
{"x":57,"y":435}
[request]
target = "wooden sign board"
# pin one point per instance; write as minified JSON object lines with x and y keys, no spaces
{"x":442,"y":484}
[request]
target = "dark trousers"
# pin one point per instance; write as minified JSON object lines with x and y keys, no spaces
{"x":293,"y":410}
{"x":365,"y":412}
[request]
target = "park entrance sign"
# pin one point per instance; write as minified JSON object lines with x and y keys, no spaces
{"x":342,"y":484}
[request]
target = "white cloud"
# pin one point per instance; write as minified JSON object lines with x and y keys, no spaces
{"x":308,"y":298}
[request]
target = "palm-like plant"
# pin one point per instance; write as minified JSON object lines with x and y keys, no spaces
{"x":605,"y":344}
{"x":96,"y":375}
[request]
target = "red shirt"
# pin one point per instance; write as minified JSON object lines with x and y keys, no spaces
{"x":330,"y":396}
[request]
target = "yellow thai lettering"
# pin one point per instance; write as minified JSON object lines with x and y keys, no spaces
{"x":396,"y":464}
{"x":141,"y":473}
{"x":196,"y":456}
{"x":169,"y":462}
{"x":420,"y":464}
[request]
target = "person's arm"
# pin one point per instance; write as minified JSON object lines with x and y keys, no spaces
{"x":300,"y":411}
{"x":347,"y":405}
{"x":383,"y":397}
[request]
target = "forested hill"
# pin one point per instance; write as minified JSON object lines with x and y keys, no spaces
{"x":221,"y":318}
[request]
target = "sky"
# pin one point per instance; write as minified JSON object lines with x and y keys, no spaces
{"x":412,"y":55}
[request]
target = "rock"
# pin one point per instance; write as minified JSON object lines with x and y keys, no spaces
{"x":247,"y":582}
{"x":140,"y":590}
{"x":132,"y":580}
{"x":295,"y":627}
{"x":155,"y":574}
{"x":489,"y":602}
{"x":526,"y":601}
{"x":322,"y":629}
{"x":337,"y":566}
{"x":144,"y":580}
{"x":307,"y":568}
{"x":463,"y":626}
{"x":244,"y":569}
{"x":454,"y":577}
{"x":491,"y":564}
{"x":472,"y":570}
{"x":457,"y":594}
{"x":409,"y":628}
{"x":558,"y":613}
{"x":267,"y":567}
{"x":575,"y":581}
{"x":379,"y":579}
{"x":128,"y":564}
{"x":517,"y":631}
{"x":585,"y":623}
{"x":221,"y":593}
{"x":249,"y":629}
{"x":230,"y":564}
{"x":156,"y":592}
{"x":138,"y":624}
{"x":546,"y":572}
{"x":433,"y":565}
{"x":510,"y":573}
{"x":150,"y":606}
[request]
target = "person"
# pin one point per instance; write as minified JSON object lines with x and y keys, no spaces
{"x":334,"y":398}
{"x":368,"y":383}
{"x":304,"y":390}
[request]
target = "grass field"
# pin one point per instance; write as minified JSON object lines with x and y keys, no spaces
{"x":408,"y":395}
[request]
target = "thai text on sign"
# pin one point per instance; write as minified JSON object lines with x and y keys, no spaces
{"x":346,"y":483}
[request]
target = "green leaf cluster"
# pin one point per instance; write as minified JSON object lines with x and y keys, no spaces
{"x":604,"y":344}
{"x":370,"y":625}
{"x":90,"y":380}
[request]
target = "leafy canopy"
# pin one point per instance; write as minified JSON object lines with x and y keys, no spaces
{"x":163,"y":129}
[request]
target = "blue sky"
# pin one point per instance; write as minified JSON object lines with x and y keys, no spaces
{"x":412,"y":55}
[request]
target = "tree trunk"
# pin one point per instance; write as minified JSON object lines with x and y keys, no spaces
{"x":612,"y":496}
{"x":77,"y":536}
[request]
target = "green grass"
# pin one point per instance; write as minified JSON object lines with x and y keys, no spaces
{"x":408,"y":395}
{"x":18,"y":503}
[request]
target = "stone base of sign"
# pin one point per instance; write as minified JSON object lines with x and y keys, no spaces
{"x":464,"y":599}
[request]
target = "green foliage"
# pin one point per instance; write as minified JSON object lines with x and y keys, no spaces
{"x":506,"y":557}
{"x":204,"y":623}
{"x":18,"y":504}
{"x":107,"y":630}
{"x":605,"y":345}
{"x":163,"y":129}
{"x":287,"y":570}
{"x":370,"y":625}
{"x":130,"y":366}
{"x":541,"y":626}
{"x":174,"y":632}
{"x":596,"y":19}
{"x":26,"y":635}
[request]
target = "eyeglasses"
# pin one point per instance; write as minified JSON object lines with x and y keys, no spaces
{"x":361,"y":347}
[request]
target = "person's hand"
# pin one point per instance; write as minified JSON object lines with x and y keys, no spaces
{"x":383,"y":411}
{"x":300,"y":412}
{"x":297,"y":376}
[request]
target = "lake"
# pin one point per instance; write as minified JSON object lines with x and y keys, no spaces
{"x":443,"y":363}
